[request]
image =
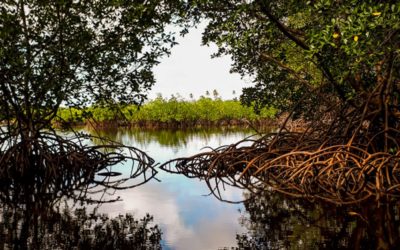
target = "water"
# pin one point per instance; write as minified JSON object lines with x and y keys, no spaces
{"x":188,"y":216}
{"x":189,"y":219}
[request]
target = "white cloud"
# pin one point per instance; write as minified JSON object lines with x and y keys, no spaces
{"x":188,"y":221}
{"x":190,"y":69}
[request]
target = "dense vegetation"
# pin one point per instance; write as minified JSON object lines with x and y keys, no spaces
{"x":307,"y":50}
{"x":333,"y":63}
{"x":173,"y":110}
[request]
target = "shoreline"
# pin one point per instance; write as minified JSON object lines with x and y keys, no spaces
{"x":242,"y":123}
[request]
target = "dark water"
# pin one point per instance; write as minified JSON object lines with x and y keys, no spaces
{"x":274,"y":221}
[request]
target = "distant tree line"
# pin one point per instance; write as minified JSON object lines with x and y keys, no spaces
{"x":174,"y":109}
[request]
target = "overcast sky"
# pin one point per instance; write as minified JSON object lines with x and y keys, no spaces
{"x":190,"y":69}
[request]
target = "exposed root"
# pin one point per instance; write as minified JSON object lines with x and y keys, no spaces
{"x":39,"y":171}
{"x":346,"y":154}
{"x":338,"y":173}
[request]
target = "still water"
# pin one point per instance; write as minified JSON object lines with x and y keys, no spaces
{"x":190,"y":219}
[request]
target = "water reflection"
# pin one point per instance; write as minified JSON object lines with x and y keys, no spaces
{"x":274,"y":221}
{"x":169,"y":138}
{"x":40,"y":169}
{"x":268,"y":221}
{"x":76,"y":230}
{"x":188,"y":219}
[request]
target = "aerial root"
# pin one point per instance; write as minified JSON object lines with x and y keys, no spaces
{"x":337,"y":173}
{"x":45,"y":168}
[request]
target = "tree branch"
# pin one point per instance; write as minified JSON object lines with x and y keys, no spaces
{"x":286,"y":31}
{"x":286,"y":68}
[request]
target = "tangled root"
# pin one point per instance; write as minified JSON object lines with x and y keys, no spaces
{"x":47,"y":167}
{"x":338,"y":173}
{"x":345,"y":154}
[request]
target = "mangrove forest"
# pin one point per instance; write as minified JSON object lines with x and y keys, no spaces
{"x":169,"y":113}
{"x":308,"y":157}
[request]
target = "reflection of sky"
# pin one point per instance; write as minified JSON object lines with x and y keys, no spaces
{"x":189,"y":220}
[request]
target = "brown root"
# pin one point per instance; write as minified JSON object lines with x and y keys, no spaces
{"x":345,"y":154}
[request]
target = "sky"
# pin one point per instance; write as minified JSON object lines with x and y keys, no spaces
{"x":190,"y":69}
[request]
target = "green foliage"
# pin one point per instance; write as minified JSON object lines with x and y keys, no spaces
{"x":293,"y":49}
{"x":355,"y":39}
{"x":77,"y":53}
{"x":71,"y":115}
{"x":171,"y":110}
{"x":204,"y":108}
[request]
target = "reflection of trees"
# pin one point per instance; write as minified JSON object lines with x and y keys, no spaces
{"x":36,"y":174}
{"x":164,"y":137}
{"x":78,"y":230}
{"x":278,"y":222}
